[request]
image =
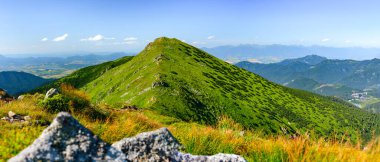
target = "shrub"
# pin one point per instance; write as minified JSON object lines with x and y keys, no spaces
{"x":56,"y":103}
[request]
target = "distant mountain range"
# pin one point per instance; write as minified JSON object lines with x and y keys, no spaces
{"x":321,"y":75}
{"x":54,"y":67}
{"x":18,"y":82}
{"x":276,"y":52}
{"x":179,"y":80}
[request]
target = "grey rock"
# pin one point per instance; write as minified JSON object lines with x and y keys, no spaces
{"x":214,"y":158}
{"x":159,"y":145}
{"x":15,"y":117}
{"x":27,"y":118}
{"x":11,"y":114}
{"x":67,"y":140}
{"x":51,"y":93}
{"x":20,"y":97}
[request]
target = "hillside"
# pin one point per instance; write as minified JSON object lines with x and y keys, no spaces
{"x":311,"y":85}
{"x":178,"y":80}
{"x":355,"y":75}
{"x":18,"y":82}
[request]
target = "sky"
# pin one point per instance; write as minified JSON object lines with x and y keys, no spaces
{"x":80,"y":26}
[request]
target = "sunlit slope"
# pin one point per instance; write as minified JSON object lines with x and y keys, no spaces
{"x":179,"y":80}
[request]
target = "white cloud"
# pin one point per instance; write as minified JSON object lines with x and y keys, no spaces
{"x":325,"y":40}
{"x":44,"y":39}
{"x":210,"y":37}
{"x":61,"y":38}
{"x":95,"y":38}
{"x":130,"y":40}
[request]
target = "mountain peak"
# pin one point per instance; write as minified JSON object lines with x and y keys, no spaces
{"x":309,"y":59}
{"x":179,"y":80}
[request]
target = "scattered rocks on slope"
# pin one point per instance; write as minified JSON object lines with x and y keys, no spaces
{"x":67,"y":140}
{"x":51,"y":93}
{"x":159,"y":145}
{"x":13,"y":117}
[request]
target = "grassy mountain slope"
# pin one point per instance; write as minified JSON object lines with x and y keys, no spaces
{"x":179,"y":80}
{"x":19,"y":82}
{"x":352,"y":74}
{"x":311,"y":85}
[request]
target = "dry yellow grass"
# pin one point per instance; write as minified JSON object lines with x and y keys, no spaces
{"x":227,"y":136}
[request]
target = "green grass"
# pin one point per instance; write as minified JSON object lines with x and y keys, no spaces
{"x":224,"y":137}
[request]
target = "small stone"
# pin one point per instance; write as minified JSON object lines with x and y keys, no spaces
{"x":67,"y":140}
{"x":11,"y":114}
{"x":20,"y":97}
{"x":27,"y":118}
{"x":52,"y":92}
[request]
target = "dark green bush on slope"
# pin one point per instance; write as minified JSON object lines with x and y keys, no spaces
{"x":55,"y":104}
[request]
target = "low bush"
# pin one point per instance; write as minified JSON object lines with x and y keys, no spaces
{"x":56,"y":103}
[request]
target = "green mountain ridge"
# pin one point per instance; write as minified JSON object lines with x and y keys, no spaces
{"x":179,"y":80}
{"x":15,"y":82}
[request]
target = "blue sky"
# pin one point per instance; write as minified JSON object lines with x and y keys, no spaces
{"x":79,"y":26}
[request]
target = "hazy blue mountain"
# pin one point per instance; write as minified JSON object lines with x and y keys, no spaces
{"x":54,"y":67}
{"x":309,"y":59}
{"x":18,"y":82}
{"x":270,"y":52}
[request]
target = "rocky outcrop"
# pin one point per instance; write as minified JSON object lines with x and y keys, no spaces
{"x":51,"y":92}
{"x":159,"y":145}
{"x":67,"y":140}
{"x":13,"y":117}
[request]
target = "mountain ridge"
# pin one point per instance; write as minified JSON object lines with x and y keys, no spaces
{"x":179,"y":80}
{"x":19,"y":82}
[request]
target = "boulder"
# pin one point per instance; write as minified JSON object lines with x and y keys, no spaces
{"x":159,"y":145}
{"x":67,"y":140}
{"x":51,"y":92}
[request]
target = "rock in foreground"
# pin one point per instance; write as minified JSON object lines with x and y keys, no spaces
{"x":67,"y":140}
{"x":159,"y":145}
